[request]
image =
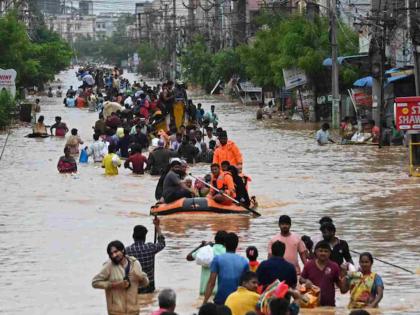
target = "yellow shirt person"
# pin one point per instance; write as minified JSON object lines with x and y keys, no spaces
{"x":111,"y":162}
{"x":245,"y":298}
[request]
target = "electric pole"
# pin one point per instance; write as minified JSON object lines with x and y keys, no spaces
{"x":334,"y":68}
{"x":414,"y":29}
{"x":376,"y":52}
{"x":174,"y":40}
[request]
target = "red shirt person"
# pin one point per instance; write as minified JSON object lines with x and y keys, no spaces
{"x":137,"y":160}
{"x":323,"y":273}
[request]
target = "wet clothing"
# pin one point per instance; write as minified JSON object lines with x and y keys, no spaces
{"x":218,"y":249}
{"x":60,"y":129}
{"x":141,"y":139}
{"x":325,"y":279}
{"x":97,"y":150}
{"x":172,"y":188}
{"x":188,"y":151}
{"x":67,"y":165}
{"x":100,"y":127}
{"x":242,"y":301}
{"x":113,"y":122}
{"x":159,"y":186}
{"x":159,"y":160}
{"x":212,"y":118}
{"x":228,"y":152}
{"x":341,"y":252}
{"x":108,"y":164}
{"x":123,"y":145}
{"x":229,"y":268}
{"x":73,"y":143}
{"x":363,"y":288}
{"x":322,"y":136}
{"x":294,"y":246}
{"x":145,"y":254}
{"x":276,"y":268}
{"x":137,"y":161}
{"x":121,"y":301}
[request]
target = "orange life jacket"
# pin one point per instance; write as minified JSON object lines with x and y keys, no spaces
{"x":225,"y":183}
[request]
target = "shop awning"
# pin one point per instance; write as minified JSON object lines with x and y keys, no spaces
{"x":345,"y":59}
{"x":392,"y":75}
{"x":363,"y":82}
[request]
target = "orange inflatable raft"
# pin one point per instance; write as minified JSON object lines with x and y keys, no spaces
{"x":197,"y":205}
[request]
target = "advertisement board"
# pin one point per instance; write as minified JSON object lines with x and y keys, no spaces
{"x":407,"y":113}
{"x":7,"y":80}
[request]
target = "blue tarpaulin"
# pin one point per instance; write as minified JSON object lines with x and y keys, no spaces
{"x":363,"y":82}
{"x":367,"y":81}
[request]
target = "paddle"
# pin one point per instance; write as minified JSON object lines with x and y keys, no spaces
{"x":227,"y":196}
{"x":385,"y":262}
{"x":155,"y":235}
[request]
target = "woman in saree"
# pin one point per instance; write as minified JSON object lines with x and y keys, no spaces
{"x":365,"y":286}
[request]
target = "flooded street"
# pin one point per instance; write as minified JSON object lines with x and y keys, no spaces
{"x":54,"y":228}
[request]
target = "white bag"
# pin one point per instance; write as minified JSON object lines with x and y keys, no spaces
{"x":204,"y":256}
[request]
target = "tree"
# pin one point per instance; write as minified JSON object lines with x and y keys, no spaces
{"x":7,"y":108}
{"x":35,"y":61}
{"x":197,"y":64}
{"x":290,"y":42}
{"x":227,"y":63}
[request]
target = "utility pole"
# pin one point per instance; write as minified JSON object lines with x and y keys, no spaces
{"x":334,"y":68}
{"x":376,"y":52}
{"x":412,"y":7}
{"x":174,"y":40}
{"x":191,"y":21}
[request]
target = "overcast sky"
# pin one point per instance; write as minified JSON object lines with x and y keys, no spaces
{"x":127,"y":6}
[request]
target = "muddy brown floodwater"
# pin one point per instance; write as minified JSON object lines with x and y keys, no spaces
{"x":54,"y":228}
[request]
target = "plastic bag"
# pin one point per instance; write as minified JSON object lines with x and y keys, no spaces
{"x":204,"y":256}
{"x":83,"y":156}
{"x":310,"y":297}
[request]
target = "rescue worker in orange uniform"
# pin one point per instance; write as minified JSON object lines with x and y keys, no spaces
{"x":227,"y":151}
{"x":223,"y":181}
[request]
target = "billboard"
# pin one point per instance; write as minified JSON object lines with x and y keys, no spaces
{"x":7,"y":80}
{"x":407,"y":113}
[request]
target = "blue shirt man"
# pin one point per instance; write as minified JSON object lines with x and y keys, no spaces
{"x":227,"y":269}
{"x":322,"y":135}
{"x":276,"y":267}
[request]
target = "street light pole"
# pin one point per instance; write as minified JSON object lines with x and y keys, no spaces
{"x":334,"y":69}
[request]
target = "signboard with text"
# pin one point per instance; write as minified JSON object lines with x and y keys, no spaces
{"x":294,"y":77}
{"x":407,"y":113}
{"x":7,"y":80}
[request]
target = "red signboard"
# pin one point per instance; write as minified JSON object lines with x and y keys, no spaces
{"x":407,"y":113}
{"x":362,"y":99}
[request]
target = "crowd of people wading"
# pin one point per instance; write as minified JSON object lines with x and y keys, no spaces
{"x":158,"y":129}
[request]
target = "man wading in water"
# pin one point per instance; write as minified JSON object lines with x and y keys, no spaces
{"x":120,"y":277}
{"x":145,"y":252}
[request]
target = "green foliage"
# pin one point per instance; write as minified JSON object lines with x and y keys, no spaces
{"x":7,"y":107}
{"x":204,"y":68}
{"x":197,"y":64}
{"x":35,"y":61}
{"x":150,"y":58}
{"x":227,"y":63}
{"x":289,"y":42}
